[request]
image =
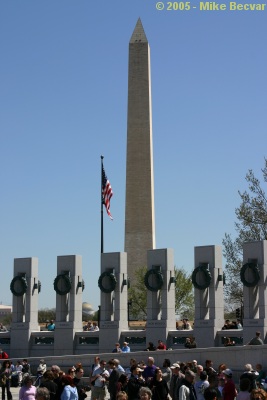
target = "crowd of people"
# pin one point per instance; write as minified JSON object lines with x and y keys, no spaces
{"x":140,"y":380}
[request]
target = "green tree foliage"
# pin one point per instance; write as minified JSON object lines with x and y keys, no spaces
{"x":251,"y":225}
{"x":184,"y":297}
{"x":46,"y":314}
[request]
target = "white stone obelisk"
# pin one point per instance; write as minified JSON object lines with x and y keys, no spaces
{"x":139,"y":211}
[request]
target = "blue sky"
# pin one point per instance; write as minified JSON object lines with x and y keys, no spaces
{"x":63,"y":103}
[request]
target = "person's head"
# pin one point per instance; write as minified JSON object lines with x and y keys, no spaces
{"x":194,"y":363}
{"x":112,"y":364}
{"x":258,"y":367}
{"x":222,"y":367}
{"x":42,"y":393}
{"x":258,"y":394}
{"x":97,"y":360}
{"x":125,"y":344}
{"x":122,"y":396}
{"x":166,"y":363}
{"x":228,"y":373}
{"x":208,"y":363}
{"x":123,"y":379}
{"x":244,"y":384}
{"x":199,"y":369}
{"x":79,"y":373}
{"x":150,"y":361}
{"x":158,"y":373}
{"x":71,"y":372}
{"x":116,"y":362}
{"x":6,"y":364}
{"x":189,"y":376}
{"x":28,"y":381}
{"x":67,"y":380}
{"x":145,"y":393}
{"x":203,"y":376}
{"x":103,"y":364}
{"x":55,"y":369}
{"x":258,"y":334}
{"x":210,"y":394}
{"x":133,"y":361}
{"x":48,"y":375}
{"x":42,"y":361}
{"x":135,"y":370}
{"x":175,"y":368}
{"x":117,"y":345}
{"x":248,"y":367}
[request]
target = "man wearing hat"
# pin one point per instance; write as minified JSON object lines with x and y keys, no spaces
{"x":135,"y":382}
{"x":125,"y":348}
{"x":229,"y":390}
{"x":176,"y":380}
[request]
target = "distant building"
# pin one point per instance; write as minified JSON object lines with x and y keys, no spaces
{"x":5,"y":310}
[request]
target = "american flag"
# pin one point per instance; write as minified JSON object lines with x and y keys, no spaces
{"x":106,"y":192}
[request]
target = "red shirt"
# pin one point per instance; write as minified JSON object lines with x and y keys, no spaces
{"x":229,"y":390}
{"x":3,"y":355}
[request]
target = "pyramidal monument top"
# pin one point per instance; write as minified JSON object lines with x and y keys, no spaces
{"x":138,"y":33}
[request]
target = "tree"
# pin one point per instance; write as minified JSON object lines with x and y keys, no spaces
{"x":251,"y":225}
{"x":184,"y":297}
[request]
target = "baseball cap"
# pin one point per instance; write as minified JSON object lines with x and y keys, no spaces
{"x":175,"y":365}
{"x":228,"y":372}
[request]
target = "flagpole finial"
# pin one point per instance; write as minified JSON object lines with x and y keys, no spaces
{"x":102,"y":157}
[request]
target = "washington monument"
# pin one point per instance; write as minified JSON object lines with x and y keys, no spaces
{"x":139,"y":211}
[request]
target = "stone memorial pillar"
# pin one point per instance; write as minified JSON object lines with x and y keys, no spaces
{"x":69,"y":286}
{"x":253,"y":275}
{"x":25,"y":287}
{"x":113,"y":285}
{"x":209,"y":301}
{"x":160,"y":281}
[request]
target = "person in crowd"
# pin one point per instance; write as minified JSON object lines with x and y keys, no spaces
{"x":176,"y":379}
{"x":128,"y":369}
{"x":135,"y":382}
{"x":161,"y":345}
{"x":122,"y":395}
{"x":221,"y":382}
{"x":186,"y":325}
{"x":151,"y":347}
{"x":3,"y":355}
{"x":71,"y":372}
{"x":80,"y":384}
{"x":227,"y":325}
{"x":113,"y":379}
{"x":244,"y":390}
{"x":88,"y":326}
{"x":256,"y":341}
{"x":2,"y":328}
{"x":40,"y":372}
{"x":27,"y":390}
{"x":42,"y":393}
{"x":125,"y":348}
{"x":190,"y":343}
{"x":201,"y":385}
{"x":194,"y":366}
{"x":69,"y":389}
{"x":98,"y":380}
{"x":5,"y":375}
{"x":261,"y":374}
{"x":48,"y":383}
{"x":57,"y":379}
{"x":145,"y":393}
{"x":26,"y":368}
{"x":228,"y":342}
{"x":221,"y":368}
{"x":210,"y":394}
{"x":117,"y":348}
{"x":209,"y":367}
{"x":18,"y":371}
{"x":166,"y":371}
{"x":251,"y":375}
{"x":118,"y":366}
{"x":187,"y":390}
{"x":95,"y":326}
{"x":51,"y":325}
{"x":159,"y":386}
{"x":239,"y":324}
{"x":229,"y":390}
{"x":149,"y":370}
{"x":258,"y":394}
{"x":122,"y":384}
{"x":200,"y":368}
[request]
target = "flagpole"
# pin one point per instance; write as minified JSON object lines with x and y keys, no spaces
{"x":102,"y":228}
